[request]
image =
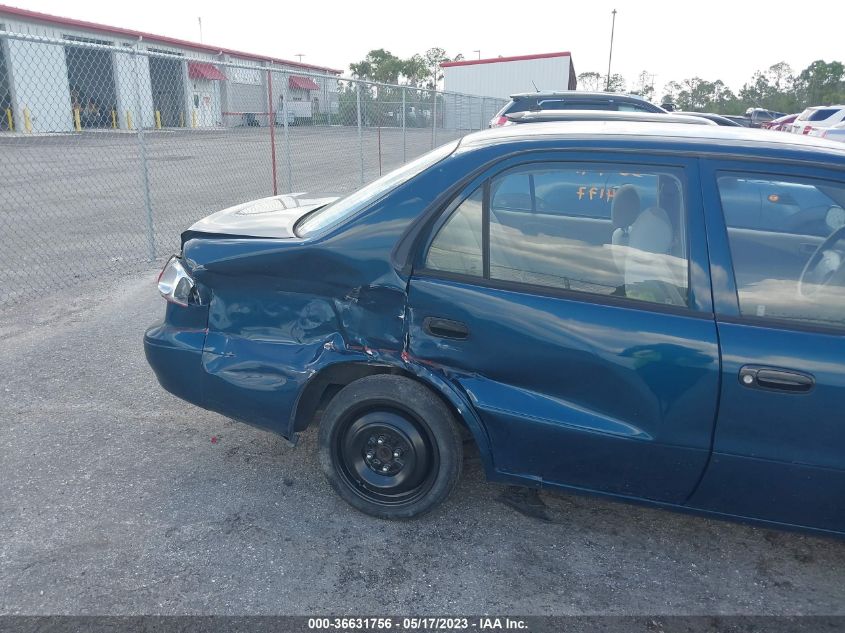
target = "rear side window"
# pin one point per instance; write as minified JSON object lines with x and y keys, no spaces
{"x":824,"y":113}
{"x":632,"y":107}
{"x":587,"y":193}
{"x":552,"y":103}
{"x":543,"y":230}
{"x":787,"y":241}
{"x":457,"y":247}
{"x":818,"y":115}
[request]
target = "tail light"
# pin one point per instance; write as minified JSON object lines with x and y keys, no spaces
{"x":808,"y":129}
{"x":499,"y":121}
{"x":175,"y":284}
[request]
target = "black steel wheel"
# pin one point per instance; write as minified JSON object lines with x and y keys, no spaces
{"x":390,"y":447}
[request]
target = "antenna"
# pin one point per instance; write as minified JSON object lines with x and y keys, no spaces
{"x":610,"y":56}
{"x":536,"y":89}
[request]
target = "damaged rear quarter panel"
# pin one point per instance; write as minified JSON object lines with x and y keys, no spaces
{"x":283,"y":310}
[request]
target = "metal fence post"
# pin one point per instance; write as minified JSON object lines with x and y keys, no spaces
{"x":271,"y":120}
{"x":328,"y":100}
{"x":360,"y":131}
{"x":434,"y":119}
{"x":142,"y":150}
{"x":470,"y":124}
{"x":404,"y":145}
{"x":285,"y":99}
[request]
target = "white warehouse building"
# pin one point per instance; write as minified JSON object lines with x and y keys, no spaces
{"x":59,"y":75}
{"x":500,"y":77}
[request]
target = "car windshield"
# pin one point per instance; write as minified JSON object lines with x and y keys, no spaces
{"x":346,"y":207}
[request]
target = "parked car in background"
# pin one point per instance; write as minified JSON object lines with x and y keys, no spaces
{"x":623,"y":308}
{"x":718,"y":119}
{"x":781,"y":123}
{"x":744,"y":121}
{"x":818,"y":117}
{"x":759,"y":116}
{"x":834,"y":133}
{"x":541,"y":116}
{"x":573,"y":100}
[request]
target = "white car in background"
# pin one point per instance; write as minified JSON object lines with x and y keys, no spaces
{"x":817,"y":118}
{"x":834,"y":133}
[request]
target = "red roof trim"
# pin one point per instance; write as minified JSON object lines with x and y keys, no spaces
{"x":204,"y":70}
{"x":493,"y":60}
{"x":302,"y":83}
{"x":114,"y":30}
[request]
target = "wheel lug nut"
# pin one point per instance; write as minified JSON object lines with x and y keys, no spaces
{"x":380,"y":440}
{"x":397,"y":453}
{"x":385,"y":468}
{"x":370,"y":454}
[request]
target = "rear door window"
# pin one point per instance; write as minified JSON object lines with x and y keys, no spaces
{"x":787,"y":242}
{"x":611,"y":230}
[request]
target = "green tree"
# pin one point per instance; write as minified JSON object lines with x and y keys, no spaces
{"x":590,"y":81}
{"x":594,"y":82}
{"x":821,"y":83}
{"x":670,"y":92}
{"x":616,"y":83}
{"x":416,"y":70}
{"x":379,"y":65}
{"x":644,"y":86}
{"x":434,"y":57}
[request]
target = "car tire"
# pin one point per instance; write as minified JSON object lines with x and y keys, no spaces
{"x":390,"y":447}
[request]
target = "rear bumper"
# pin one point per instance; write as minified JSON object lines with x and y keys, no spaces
{"x":175,"y":355}
{"x":242,"y":380}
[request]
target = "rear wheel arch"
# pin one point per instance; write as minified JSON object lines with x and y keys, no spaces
{"x":327,"y":383}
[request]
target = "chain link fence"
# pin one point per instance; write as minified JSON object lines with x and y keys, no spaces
{"x":108,"y":153}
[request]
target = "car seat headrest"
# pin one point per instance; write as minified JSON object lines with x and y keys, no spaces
{"x":625,"y":207}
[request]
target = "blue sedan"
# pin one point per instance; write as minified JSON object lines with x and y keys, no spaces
{"x":653,"y":312}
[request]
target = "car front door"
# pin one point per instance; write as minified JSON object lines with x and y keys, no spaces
{"x":779,"y":290}
{"x":569,"y":298}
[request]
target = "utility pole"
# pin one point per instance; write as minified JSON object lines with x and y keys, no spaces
{"x":610,"y":57}
{"x":299,"y":56}
{"x":479,"y":53}
{"x":199,"y":21}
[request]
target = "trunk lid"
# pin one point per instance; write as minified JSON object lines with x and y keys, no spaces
{"x":272,"y":217}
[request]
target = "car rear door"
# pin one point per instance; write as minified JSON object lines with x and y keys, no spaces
{"x":593,"y":363}
{"x":779,"y":446}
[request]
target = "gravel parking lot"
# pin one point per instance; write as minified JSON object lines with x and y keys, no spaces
{"x":115,"y":500}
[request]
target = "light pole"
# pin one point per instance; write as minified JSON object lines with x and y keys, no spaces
{"x":300,"y":56}
{"x":610,"y":57}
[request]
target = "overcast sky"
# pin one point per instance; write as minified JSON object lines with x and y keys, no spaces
{"x":673,"y":40}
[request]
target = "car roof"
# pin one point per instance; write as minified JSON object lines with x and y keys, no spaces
{"x":535,"y":116}
{"x":670,"y":136}
{"x":579,"y":94}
